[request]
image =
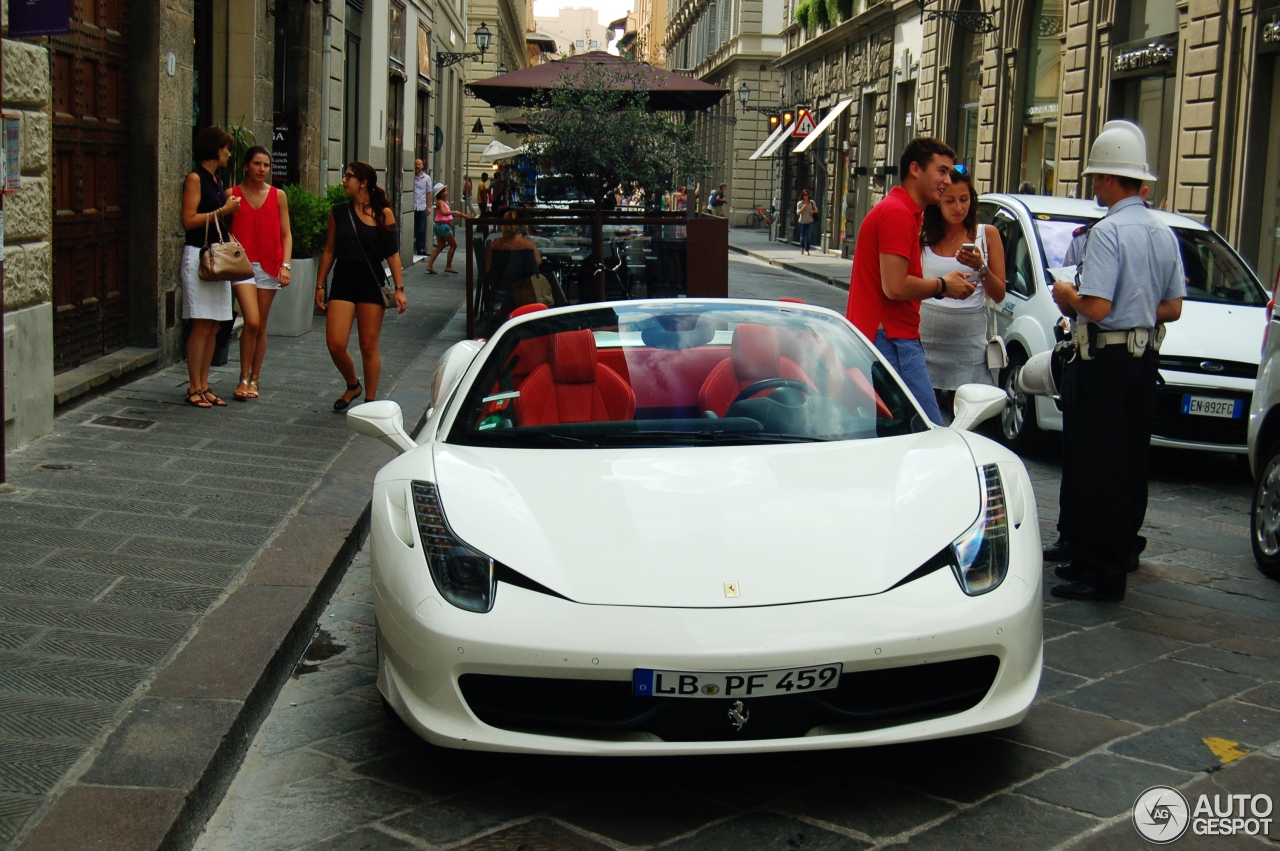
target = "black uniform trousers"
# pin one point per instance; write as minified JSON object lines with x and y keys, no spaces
{"x":1107,"y":437}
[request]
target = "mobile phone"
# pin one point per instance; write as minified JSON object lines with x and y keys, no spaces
{"x":971,"y":247}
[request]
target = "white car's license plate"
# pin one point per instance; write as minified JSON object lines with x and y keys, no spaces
{"x":1211,"y":406}
{"x":650,"y":683}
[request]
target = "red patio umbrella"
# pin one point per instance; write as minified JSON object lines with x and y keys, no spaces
{"x":668,"y":91}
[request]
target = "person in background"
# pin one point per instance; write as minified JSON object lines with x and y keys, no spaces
{"x":262,"y":226}
{"x":806,"y":209}
{"x":482,"y":194}
{"x":421,"y":204}
{"x":1026,"y":187}
{"x":467,"y":206}
{"x":443,"y":230}
{"x":509,"y":258}
{"x":362,"y":233}
{"x":498,"y":189}
{"x":954,"y":331}
{"x":205,"y":303}
{"x":887,"y":283}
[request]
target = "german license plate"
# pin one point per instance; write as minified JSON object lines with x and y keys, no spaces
{"x":1212,"y":406}
{"x":647,"y":682}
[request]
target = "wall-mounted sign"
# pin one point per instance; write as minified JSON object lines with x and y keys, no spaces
{"x":424,"y":53}
{"x":1153,"y":57}
{"x":1041,"y":113}
{"x":39,"y":17}
{"x":280,"y":133}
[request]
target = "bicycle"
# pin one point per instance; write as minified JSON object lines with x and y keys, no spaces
{"x":759,"y":218}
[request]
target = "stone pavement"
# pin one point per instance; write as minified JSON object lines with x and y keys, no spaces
{"x":140,"y":516}
{"x":1176,"y":685}
{"x":827,"y":268}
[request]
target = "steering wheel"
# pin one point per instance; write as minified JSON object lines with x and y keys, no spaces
{"x":771,"y":383}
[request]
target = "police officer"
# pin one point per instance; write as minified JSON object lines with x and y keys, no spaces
{"x":1131,"y":280}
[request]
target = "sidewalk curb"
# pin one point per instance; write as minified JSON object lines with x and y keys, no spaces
{"x":791,"y":267}
{"x":163,"y":771}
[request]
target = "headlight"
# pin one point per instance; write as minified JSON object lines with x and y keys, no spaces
{"x":463,"y":575}
{"x":982,"y":552}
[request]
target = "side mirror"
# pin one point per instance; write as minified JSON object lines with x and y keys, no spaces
{"x":975,"y":403}
{"x":383,"y":420}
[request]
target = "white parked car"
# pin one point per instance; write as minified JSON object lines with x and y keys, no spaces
{"x":682,"y":526}
{"x":1209,"y":358}
{"x":1264,"y":449}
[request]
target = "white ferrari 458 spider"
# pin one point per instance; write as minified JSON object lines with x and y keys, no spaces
{"x":689,"y":526}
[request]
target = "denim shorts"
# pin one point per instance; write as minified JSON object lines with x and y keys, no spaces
{"x":906,"y":356}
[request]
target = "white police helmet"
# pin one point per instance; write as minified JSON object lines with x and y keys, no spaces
{"x":1120,"y":149}
{"x":1036,"y":376}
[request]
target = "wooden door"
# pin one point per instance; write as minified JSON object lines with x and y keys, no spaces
{"x":90,"y":219}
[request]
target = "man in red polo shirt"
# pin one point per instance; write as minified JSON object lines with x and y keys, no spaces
{"x":886,"y":287}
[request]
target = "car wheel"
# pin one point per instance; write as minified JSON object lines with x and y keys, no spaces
{"x":1018,"y":428}
{"x":1264,"y":519}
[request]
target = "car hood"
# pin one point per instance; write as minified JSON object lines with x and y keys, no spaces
{"x":1224,"y":332}
{"x":670,"y":527}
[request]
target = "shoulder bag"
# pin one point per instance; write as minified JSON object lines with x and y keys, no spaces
{"x":388,"y":285}
{"x":225,"y":260}
{"x":997,"y":352}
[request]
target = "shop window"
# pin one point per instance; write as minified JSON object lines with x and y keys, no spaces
{"x":1040,"y":105}
{"x":1143,"y":84}
{"x":966,"y":71}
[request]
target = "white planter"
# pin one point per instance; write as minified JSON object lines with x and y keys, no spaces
{"x":291,"y":311}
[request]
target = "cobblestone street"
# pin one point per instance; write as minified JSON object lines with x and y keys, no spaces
{"x":1176,"y":685}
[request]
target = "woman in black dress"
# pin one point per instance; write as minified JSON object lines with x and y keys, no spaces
{"x":362,"y":233}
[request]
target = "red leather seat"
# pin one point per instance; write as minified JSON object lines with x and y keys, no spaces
{"x":755,"y":355}
{"x":571,"y":387}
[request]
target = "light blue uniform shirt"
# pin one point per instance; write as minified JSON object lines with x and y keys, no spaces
{"x":1132,"y":259}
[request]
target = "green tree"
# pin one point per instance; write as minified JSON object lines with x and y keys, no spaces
{"x":596,"y":129}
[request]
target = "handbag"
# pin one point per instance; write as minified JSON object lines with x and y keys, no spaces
{"x":388,"y":286}
{"x":535,"y":288}
{"x":997,"y":352}
{"x":225,"y":260}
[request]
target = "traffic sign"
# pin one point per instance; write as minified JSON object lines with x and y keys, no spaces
{"x":804,"y":124}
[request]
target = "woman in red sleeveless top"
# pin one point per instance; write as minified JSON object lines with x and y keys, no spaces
{"x":262,"y":226}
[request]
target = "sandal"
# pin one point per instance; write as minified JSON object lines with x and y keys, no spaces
{"x":242,"y":395}
{"x":451,"y":271}
{"x":343,"y":402}
{"x":253,"y":389}
{"x":196,"y":400}
{"x":431,"y":271}
{"x":212,"y":399}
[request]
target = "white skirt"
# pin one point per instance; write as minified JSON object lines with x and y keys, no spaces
{"x":955,"y":345}
{"x":202,"y":299}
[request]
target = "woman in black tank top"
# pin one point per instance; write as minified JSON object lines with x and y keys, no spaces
{"x":361,"y":235}
{"x":204,"y":303}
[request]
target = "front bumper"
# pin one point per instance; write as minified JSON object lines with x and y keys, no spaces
{"x":426,"y":649}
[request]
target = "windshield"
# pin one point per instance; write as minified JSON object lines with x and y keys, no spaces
{"x":681,"y":374}
{"x":1214,"y":272}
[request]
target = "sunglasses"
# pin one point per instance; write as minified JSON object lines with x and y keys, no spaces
{"x":961,"y":168}
{"x":348,"y":175}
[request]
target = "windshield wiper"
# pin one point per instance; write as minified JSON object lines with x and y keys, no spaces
{"x":508,"y":436}
{"x":719,"y":438}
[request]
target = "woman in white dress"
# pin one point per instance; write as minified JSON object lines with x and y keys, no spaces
{"x":954,"y":332}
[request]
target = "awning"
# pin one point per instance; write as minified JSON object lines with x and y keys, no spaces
{"x":779,"y":140}
{"x":760,"y":150}
{"x":498,"y":151}
{"x":827,"y":121}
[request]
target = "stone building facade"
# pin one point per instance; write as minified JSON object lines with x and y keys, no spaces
{"x":509,"y":22}
{"x":28,"y":255}
{"x":859,"y":78}
{"x":728,"y":43}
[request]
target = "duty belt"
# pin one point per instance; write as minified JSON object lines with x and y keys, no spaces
{"x":1089,"y":339}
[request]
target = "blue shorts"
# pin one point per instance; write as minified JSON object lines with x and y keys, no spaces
{"x":906,"y":356}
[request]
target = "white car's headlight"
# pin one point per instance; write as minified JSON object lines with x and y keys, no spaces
{"x":982,"y":552}
{"x":463,"y":575}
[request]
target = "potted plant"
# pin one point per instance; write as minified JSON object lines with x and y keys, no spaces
{"x":308,"y":221}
